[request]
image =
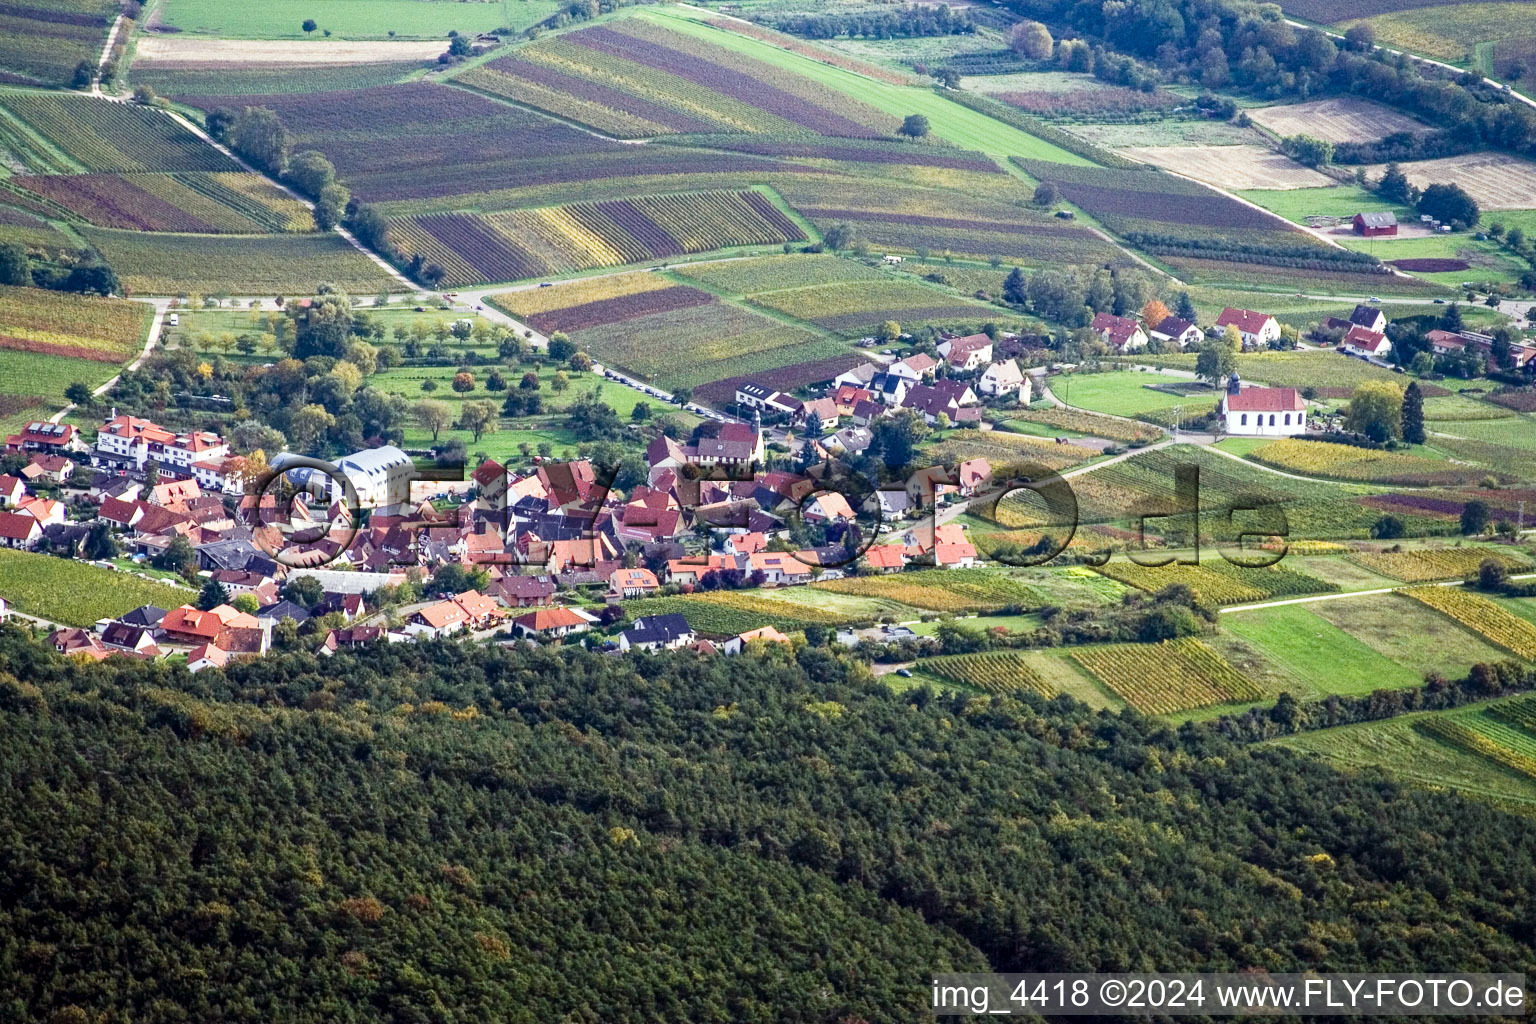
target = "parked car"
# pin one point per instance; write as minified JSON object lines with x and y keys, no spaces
{"x":174,"y":319}
{"x":904,"y":673}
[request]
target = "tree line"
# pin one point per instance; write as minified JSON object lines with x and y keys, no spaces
{"x":450,"y":832}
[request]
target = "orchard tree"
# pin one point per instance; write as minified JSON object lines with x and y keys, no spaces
{"x":463,"y":382}
{"x":914,"y":126}
{"x":479,"y":418}
{"x":309,"y":25}
{"x":1046,"y":194}
{"x":1031,"y":39}
{"x":1215,"y":361}
{"x":432,"y":415}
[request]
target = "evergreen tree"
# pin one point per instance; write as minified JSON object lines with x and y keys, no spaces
{"x":1413,"y":414}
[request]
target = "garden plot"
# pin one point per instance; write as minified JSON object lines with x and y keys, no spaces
{"x":1233,"y":167}
{"x":1496,"y":180}
{"x":1344,"y":119}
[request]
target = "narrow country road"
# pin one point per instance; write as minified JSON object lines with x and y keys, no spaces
{"x":1347,"y":594}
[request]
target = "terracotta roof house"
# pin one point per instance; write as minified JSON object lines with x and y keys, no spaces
{"x":121,"y":514}
{"x":972,"y":475}
{"x":826,"y":507}
{"x":19,"y":530}
{"x":913,"y":368}
{"x":139,"y":639}
{"x":41,"y":435}
{"x":885,"y":557}
{"x":954,"y":556}
{"x":190,"y":625}
{"x":55,"y":467}
{"x":550,"y":621}
{"x":779,"y":567}
{"x":632,"y":583}
{"x":206,"y":656}
{"x":437,"y":620}
{"x":1362,"y":342}
{"x":12,"y":490}
{"x":763,"y":634}
{"x":929,"y":402}
{"x":78,"y":641}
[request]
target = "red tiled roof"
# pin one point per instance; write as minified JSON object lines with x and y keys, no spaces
{"x":1246,"y":320}
{"x":1265,"y":400}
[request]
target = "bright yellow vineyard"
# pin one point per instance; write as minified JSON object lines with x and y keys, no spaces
{"x":1482,"y":616}
{"x":1210,"y":587}
{"x":941,"y":590}
{"x":993,"y":671}
{"x":1431,"y":564}
{"x":1347,"y":462}
{"x":541,"y":300}
{"x":1175,"y":675}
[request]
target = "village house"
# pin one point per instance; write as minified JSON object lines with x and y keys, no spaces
{"x":132,"y":442}
{"x":1263,"y":412}
{"x":884,"y":558}
{"x":657,"y":633}
{"x":205,"y":656}
{"x":19,"y":530}
{"x":972,"y":475}
{"x":930,"y":403}
{"x":222,"y":475}
{"x":554,"y":622}
{"x":1121,"y":333}
{"x":437,"y":620}
{"x":632,"y":583}
{"x":519,"y":591}
{"x":858,"y":377}
{"x":825,"y":409}
{"x":1366,"y":343}
{"x":54,"y":468}
{"x":380,"y":477}
{"x":1369,"y":317}
{"x":763,"y":634}
{"x":826,"y":507}
{"x":1174,"y":331}
{"x":914,"y":368}
{"x":779,"y":568}
{"x":890,"y":389}
{"x":1256,"y":329}
{"x":137,"y":639}
{"x":12,"y":491}
{"x":967,"y":353}
{"x":1004,"y":378}
{"x":42,"y":436}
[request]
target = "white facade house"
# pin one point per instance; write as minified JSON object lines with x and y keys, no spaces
{"x":1263,"y":412}
{"x":1366,"y":343}
{"x":1257,"y":329}
{"x":1004,"y":378}
{"x":141,"y":441}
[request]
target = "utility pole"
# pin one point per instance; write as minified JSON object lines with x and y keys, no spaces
{"x":1520,"y":528}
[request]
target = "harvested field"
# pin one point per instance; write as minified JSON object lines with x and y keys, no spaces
{"x":1232,"y":167}
{"x":1497,"y":181}
{"x":1343,"y":119}
{"x":1431,"y":265}
{"x":183,"y":50}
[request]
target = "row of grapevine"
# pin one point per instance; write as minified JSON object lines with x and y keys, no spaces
{"x":1459,"y":734}
{"x":1167,"y":677}
{"x":1482,"y":616}
{"x":993,"y":671}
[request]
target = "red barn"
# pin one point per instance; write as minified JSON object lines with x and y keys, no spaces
{"x":1372,"y":224}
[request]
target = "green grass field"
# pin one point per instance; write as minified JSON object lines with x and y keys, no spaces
{"x":950,"y":121}
{"x":1319,"y":655}
{"x":1121,"y":393}
{"x":353,"y":19}
{"x":1410,"y":634}
{"x":1489,"y":261}
{"x":1297,"y":204}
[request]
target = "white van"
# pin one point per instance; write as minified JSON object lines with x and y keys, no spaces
{"x":174,"y":319}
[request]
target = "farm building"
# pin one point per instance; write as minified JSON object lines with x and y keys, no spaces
{"x":1257,"y":329}
{"x":1372,"y":225}
{"x":1263,"y":412}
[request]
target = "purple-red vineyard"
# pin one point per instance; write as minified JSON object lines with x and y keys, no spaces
{"x":596,"y":92}
{"x":619,"y":309}
{"x":112,"y":201}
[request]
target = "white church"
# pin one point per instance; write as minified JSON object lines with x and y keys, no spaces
{"x":1263,"y":412}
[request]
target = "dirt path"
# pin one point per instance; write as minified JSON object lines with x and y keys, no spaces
{"x":106,"y":54}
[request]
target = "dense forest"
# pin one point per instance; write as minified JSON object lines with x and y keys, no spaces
{"x":442,"y":832}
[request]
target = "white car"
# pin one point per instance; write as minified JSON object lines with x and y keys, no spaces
{"x":174,"y":319}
